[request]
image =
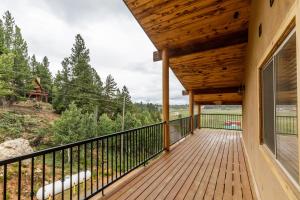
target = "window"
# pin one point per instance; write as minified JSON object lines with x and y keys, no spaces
{"x":279,"y":106}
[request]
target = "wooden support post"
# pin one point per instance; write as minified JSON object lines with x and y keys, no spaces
{"x":199,"y":116}
{"x":191,"y":108}
{"x":165,"y":82}
{"x":298,"y":75}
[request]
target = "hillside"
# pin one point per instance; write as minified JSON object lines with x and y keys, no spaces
{"x":27,"y":120}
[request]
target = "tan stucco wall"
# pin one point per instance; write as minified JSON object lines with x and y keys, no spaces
{"x":271,"y":182}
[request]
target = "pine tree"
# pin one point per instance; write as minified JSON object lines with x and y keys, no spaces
{"x":82,"y":76}
{"x":33,"y":65}
{"x":78,"y":82}
{"x":9,"y":25}
{"x":45,"y":75}
{"x":2,"y":39}
{"x":6,"y":75}
{"x":62,"y":87}
{"x":125,"y":93}
{"x":23,"y":78}
{"x":110,"y":87}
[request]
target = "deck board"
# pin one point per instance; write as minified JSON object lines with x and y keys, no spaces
{"x":209,"y":164}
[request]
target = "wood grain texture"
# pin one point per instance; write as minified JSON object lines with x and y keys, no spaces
{"x":220,"y":97}
{"x":178,"y":23}
{"x":216,"y":68}
{"x":209,"y":164}
{"x":206,"y":39}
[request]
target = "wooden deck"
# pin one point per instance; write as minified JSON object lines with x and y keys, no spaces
{"x":207,"y":165}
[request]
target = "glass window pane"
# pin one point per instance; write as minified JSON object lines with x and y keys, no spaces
{"x":286,"y":107}
{"x":268,"y":106}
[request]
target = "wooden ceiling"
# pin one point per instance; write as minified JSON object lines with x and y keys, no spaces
{"x":206,"y":39}
{"x":219,"y":98}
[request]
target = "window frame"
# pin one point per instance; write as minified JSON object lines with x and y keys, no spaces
{"x":272,"y":57}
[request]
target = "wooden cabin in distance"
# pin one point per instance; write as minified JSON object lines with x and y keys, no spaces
{"x":38,"y":93}
{"x":236,"y":52}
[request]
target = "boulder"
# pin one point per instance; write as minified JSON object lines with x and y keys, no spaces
{"x":14,"y":148}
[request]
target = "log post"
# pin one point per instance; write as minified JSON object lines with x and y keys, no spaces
{"x":191,"y":109}
{"x":165,"y":82}
{"x":199,"y":116}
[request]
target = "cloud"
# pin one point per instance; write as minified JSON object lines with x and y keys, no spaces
{"x":117,"y":44}
{"x":81,"y":11}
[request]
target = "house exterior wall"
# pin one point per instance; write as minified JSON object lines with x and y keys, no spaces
{"x":270,"y":179}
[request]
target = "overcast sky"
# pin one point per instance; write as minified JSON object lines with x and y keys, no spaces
{"x":117,"y":44}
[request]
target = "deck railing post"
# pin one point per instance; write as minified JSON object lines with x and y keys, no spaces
{"x":165,"y":81}
{"x":191,"y":108}
{"x":199,"y":116}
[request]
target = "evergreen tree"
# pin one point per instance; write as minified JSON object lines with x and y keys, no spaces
{"x":125,"y":93}
{"x":62,"y":87}
{"x":111,"y":100}
{"x":45,"y":76}
{"x":9,"y":24}
{"x":110,"y":87}
{"x":33,"y":65}
{"x":23,"y":78}
{"x":82,"y":77}
{"x":6,"y":75}
{"x":2,"y":38}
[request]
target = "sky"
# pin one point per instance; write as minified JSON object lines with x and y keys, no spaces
{"x":118,"y":45}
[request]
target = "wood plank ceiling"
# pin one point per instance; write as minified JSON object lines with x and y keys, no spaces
{"x":206,"y":40}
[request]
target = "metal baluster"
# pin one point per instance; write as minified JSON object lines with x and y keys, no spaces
{"x":130,"y":146}
{"x":123,"y":155}
{"x":71,"y":172}
{"x":152,"y":140}
{"x":53,"y":174}
{"x":127,"y":152}
{"x":4,"y":181}
{"x":43,"y":178}
{"x":135,"y":157}
{"x":112,"y":158}
{"x":97,"y":165}
{"x":78,"y":171}
{"x":139,"y":144}
{"x":19,"y":179}
{"x":145,"y":144}
{"x":120,"y":153}
{"x":102,"y":165}
{"x":85,"y":167}
{"x":116,"y":157}
{"x":107,"y":161}
{"x":92,"y":167}
{"x":32,"y":179}
{"x":63,"y":174}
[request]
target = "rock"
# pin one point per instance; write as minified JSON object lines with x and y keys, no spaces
{"x":14,"y":148}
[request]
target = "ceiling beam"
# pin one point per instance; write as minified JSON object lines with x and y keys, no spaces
{"x":215,"y":90}
{"x":219,"y":102}
{"x":214,"y":43}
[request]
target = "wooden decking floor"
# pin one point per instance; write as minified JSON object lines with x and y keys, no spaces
{"x":210,"y":164}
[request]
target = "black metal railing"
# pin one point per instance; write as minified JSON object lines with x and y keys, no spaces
{"x":286,"y":125}
{"x":222,"y":121}
{"x":81,"y":169}
{"x":196,"y":121}
{"x":179,"y":129}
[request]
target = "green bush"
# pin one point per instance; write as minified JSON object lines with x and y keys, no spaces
{"x":73,"y":125}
